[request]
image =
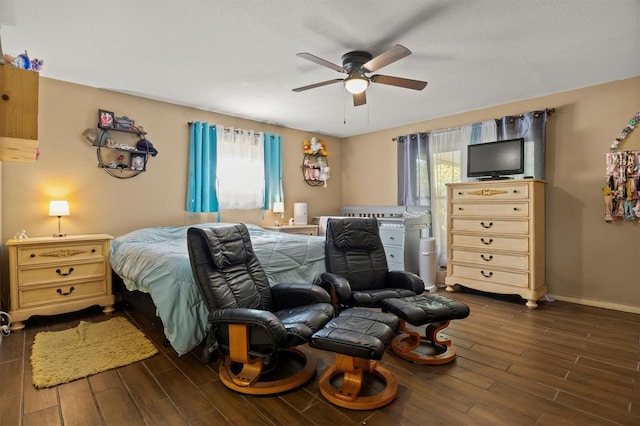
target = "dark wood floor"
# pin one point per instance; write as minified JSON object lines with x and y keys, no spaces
{"x":562,"y":364}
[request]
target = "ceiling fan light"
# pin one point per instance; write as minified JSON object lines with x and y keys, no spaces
{"x":356,"y":84}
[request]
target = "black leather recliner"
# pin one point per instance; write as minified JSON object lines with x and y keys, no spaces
{"x":357,"y":270}
{"x":255,"y":326}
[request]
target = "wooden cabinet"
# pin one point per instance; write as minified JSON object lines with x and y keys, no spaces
{"x":295,"y":229}
{"x":18,"y":114}
{"x":496,"y":238}
{"x":54,"y":275}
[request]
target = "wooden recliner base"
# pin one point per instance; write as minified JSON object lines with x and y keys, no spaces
{"x":427,"y":349}
{"x":244,"y":374}
{"x":348,"y":394}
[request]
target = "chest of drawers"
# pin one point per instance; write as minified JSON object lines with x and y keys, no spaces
{"x":496,"y":237}
{"x":50,"y":276}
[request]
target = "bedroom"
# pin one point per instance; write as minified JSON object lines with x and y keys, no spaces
{"x":588,"y":261}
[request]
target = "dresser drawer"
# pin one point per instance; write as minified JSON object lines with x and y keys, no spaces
{"x":60,"y":272}
{"x":395,"y":254}
{"x":59,"y":253}
{"x":520,"y":227}
{"x":518,"y":244}
{"x":52,"y":294}
{"x":391,"y":236}
{"x":490,"y":192}
{"x":491,"y":259}
{"x":515,"y":279}
{"x":489,"y":210}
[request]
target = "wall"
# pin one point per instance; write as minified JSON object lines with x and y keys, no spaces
{"x":68,"y":168}
{"x":588,"y":261}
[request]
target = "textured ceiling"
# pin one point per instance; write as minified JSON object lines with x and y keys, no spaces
{"x":238,"y":57}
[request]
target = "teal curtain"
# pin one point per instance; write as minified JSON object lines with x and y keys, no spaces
{"x":201,"y":188}
{"x":272,"y":170}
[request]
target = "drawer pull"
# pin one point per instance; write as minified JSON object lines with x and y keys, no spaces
{"x":32,"y":255}
{"x":391,"y":238}
{"x":486,"y":259}
{"x":93,"y":250}
{"x":392,"y":256}
{"x":63,"y":274}
{"x":489,"y":275}
{"x":515,"y":209}
{"x":486,"y":242}
{"x":486,"y":226}
{"x":460,"y":208}
{"x":59,"y":291}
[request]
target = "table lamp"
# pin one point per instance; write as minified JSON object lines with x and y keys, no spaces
{"x":59,"y":209}
{"x":278,"y":207}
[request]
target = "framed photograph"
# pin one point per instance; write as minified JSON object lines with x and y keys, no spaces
{"x":138,"y":162}
{"x":105,"y":119}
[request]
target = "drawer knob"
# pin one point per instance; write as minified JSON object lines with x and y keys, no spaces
{"x":93,"y":250}
{"x":32,"y":255}
{"x":486,"y":226}
{"x":64,"y":274}
{"x":484,"y":274}
{"x":59,"y":291}
{"x":515,"y":209}
{"x":459,"y":193}
{"x":460,"y":208}
{"x":392,"y":256}
{"x":486,"y":242}
{"x":486,"y":259}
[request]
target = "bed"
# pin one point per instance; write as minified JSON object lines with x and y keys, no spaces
{"x":155,"y":261}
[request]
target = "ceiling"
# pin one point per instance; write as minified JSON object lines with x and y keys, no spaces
{"x":239,"y":57}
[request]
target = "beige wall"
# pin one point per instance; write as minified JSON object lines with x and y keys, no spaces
{"x":68,"y":168}
{"x":588,"y":260}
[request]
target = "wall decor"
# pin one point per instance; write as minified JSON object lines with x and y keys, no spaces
{"x":621,"y":193}
{"x":315,"y":166}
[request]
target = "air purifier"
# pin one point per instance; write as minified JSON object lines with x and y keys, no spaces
{"x":300,"y":213}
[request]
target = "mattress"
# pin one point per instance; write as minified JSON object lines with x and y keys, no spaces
{"x":156,"y":261}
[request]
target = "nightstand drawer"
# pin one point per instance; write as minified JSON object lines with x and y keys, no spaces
{"x":52,"y":294}
{"x":395,"y":254}
{"x":60,"y":273}
{"x":60,"y":253}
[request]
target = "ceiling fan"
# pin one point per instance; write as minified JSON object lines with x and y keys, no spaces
{"x":357,"y":65}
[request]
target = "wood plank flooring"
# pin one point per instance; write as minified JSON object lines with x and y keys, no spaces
{"x":562,"y":364}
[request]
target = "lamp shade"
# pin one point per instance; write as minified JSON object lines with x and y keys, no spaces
{"x":278,"y":207}
{"x":59,"y":208}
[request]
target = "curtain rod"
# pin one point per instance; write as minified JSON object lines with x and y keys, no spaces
{"x":549,"y":111}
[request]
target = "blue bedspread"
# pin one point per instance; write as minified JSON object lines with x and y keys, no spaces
{"x":156,"y":260}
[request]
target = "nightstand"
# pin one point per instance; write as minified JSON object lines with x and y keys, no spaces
{"x":295,"y":229}
{"x":55,"y":275}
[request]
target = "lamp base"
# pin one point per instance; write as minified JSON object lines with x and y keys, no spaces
{"x":59,"y":234}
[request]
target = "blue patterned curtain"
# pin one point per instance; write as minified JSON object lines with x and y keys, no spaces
{"x":272,"y":170}
{"x":201,"y":188}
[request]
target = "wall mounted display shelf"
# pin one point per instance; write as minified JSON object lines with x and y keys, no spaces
{"x":118,"y":159}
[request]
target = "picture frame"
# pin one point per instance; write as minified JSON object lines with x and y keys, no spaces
{"x":105,"y":119}
{"x":138,"y":162}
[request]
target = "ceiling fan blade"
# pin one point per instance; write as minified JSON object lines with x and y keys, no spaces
{"x":399,"y":82}
{"x":313,"y":86}
{"x":387,"y":57}
{"x":360,"y":98}
{"x":320,"y":61}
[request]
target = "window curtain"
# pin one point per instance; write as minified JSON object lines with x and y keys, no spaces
{"x":413,"y":170}
{"x":240,"y":169}
{"x":532,"y":127}
{"x":201,"y":188}
{"x":273,"y":191}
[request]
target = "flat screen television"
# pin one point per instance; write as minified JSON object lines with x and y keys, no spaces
{"x":496,"y":160}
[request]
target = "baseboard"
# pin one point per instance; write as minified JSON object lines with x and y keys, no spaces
{"x":598,"y":304}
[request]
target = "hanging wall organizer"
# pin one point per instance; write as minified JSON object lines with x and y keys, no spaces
{"x":315,"y":166}
{"x":622,"y":190}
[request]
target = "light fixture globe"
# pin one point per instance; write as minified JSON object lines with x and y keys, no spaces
{"x":356,"y":83}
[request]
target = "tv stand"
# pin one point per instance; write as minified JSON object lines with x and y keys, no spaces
{"x":495,"y":178}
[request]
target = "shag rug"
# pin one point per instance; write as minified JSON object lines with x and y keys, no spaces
{"x":62,"y":356}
